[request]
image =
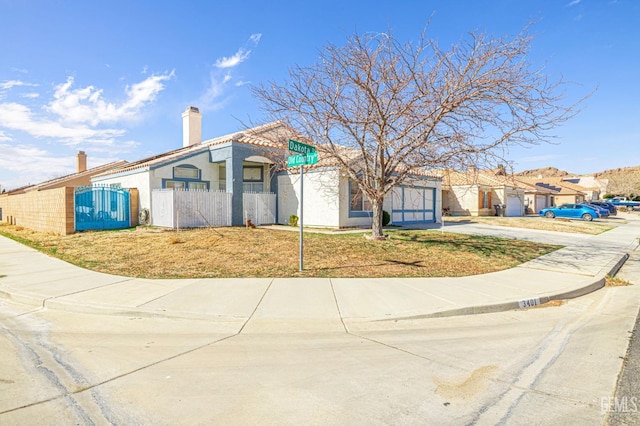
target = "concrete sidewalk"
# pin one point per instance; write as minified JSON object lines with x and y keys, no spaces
{"x":30,"y":277}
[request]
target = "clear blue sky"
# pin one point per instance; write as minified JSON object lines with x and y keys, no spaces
{"x":112,"y":77}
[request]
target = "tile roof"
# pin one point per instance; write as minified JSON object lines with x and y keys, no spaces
{"x":474,"y":177}
{"x":270,"y":135}
{"x":56,"y":182}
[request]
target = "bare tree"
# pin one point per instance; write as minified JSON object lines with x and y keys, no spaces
{"x":383,"y":109}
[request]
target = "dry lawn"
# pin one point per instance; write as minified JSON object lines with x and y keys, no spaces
{"x":241,"y":252}
{"x":541,"y":223}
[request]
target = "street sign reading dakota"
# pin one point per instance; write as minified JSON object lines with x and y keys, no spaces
{"x":300,"y":148}
{"x":302,"y":160}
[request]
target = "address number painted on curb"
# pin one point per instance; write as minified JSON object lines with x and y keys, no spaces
{"x":527,"y":303}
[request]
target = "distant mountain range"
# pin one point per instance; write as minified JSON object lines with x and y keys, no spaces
{"x":622,"y":181}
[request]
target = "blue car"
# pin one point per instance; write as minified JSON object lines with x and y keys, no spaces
{"x":602,"y":211}
{"x":571,"y":211}
{"x":613,"y":210}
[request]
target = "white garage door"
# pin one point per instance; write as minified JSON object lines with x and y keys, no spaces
{"x":514,"y":206}
{"x":412,"y":205}
{"x":541,"y":202}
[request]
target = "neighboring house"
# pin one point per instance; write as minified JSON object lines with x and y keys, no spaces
{"x":250,"y":161}
{"x":536,"y":197}
{"x":82,"y":176}
{"x":562,"y":192}
{"x":49,"y":206}
{"x":481,"y":193}
{"x":593,"y":187}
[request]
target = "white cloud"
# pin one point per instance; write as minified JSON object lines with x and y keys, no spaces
{"x":30,"y":164}
{"x":240,"y":56}
{"x":8,"y":84}
{"x":210,"y":99}
{"x":31,"y":95}
{"x":86,"y":104}
{"x":229,"y":62}
{"x":20,"y":117}
{"x":255,"y":38}
{"x":4,"y":137}
{"x":573,"y":3}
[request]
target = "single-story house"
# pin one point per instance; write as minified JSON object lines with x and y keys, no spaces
{"x":561,"y":192}
{"x":252,"y":161}
{"x":536,"y":197}
{"x":593,"y":187}
{"x":481,"y":193}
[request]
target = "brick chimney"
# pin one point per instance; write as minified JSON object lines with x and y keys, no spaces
{"x":191,"y":126}
{"x":82,"y":161}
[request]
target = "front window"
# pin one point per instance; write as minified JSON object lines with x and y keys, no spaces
{"x":252,"y":174}
{"x":253,"y":179}
{"x":358,"y":201}
{"x":175,"y":184}
{"x":200,"y":186}
{"x":186,"y":172}
{"x":485,"y":199}
{"x":222,"y":177}
{"x":253,"y":187}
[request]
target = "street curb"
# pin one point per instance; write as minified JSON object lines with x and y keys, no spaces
{"x":610,"y":269}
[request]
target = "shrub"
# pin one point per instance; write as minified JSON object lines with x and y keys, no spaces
{"x":293,"y":220}
{"x":606,"y":196}
{"x":386,"y":218}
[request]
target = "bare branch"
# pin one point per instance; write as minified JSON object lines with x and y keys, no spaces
{"x":383,"y":109}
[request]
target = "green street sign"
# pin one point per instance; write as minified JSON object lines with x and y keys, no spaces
{"x":300,"y":148}
{"x":302,"y":160}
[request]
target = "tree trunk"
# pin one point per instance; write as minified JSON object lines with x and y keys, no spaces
{"x":376,"y":225}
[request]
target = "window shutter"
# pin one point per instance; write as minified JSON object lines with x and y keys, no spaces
{"x":479,"y":198}
{"x":489,"y":200}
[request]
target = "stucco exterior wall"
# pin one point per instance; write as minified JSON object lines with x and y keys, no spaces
{"x":321,"y":198}
{"x":463,"y":200}
{"x":208,"y":170}
{"x":47,"y":211}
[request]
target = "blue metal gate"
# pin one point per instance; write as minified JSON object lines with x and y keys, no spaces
{"x":101,"y":207}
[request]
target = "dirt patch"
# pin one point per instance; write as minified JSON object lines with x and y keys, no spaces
{"x":464,"y":388}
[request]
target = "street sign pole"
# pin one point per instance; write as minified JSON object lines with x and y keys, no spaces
{"x":301,"y":220}
{"x":306,"y":155}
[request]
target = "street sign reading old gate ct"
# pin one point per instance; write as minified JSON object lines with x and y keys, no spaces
{"x":300,"y":148}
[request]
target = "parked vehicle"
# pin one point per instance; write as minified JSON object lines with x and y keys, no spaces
{"x":623,"y":202}
{"x":572,"y":211}
{"x":613,"y":210}
{"x":602,"y":211}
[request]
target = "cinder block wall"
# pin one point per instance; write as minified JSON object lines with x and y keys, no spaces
{"x":48,"y":211}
